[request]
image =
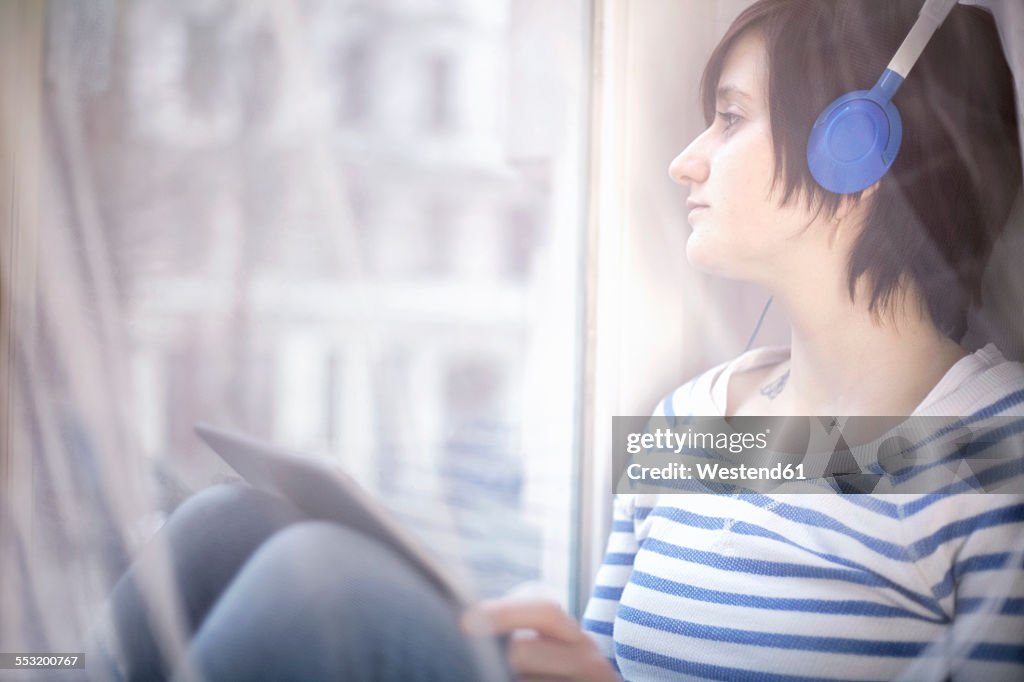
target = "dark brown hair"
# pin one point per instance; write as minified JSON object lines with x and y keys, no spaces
{"x":936,"y":214}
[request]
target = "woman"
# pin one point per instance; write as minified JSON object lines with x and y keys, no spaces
{"x":876,"y":285}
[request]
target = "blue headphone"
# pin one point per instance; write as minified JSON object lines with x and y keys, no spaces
{"x":855,"y":140}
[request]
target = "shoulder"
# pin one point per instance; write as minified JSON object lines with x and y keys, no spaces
{"x":753,"y":390}
{"x":706,"y":393}
{"x":693,"y":397}
{"x":984,"y":383}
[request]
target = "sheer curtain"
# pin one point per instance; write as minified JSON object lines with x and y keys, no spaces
{"x":351,"y":228}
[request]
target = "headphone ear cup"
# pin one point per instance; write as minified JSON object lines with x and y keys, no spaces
{"x":854,"y":142}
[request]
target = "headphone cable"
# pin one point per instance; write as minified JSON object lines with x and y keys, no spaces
{"x":757,"y":328}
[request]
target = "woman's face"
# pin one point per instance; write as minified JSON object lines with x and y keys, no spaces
{"x":739,"y":229}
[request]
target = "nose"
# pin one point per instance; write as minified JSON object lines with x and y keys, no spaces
{"x":691,"y":166}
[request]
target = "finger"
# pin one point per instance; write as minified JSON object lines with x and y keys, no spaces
{"x":542,"y":656}
{"x":546,"y":617}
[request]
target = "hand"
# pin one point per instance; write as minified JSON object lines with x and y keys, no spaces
{"x":557,"y":648}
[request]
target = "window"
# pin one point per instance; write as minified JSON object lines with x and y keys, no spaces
{"x":294,"y":265}
{"x":439,"y":93}
{"x":357,"y":86}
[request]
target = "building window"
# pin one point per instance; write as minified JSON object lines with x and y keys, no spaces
{"x":440,"y":93}
{"x":354,"y":74}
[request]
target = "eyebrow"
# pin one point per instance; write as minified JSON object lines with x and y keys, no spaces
{"x":732,"y":92}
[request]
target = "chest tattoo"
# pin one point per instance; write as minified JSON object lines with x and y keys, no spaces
{"x":772,"y":390}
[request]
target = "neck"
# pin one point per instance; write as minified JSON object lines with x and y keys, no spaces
{"x":846,"y":361}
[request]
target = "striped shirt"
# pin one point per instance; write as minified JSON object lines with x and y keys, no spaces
{"x":836,"y":587}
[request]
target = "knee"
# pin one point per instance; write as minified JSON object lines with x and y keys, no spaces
{"x":338,"y":577}
{"x":313,"y":545}
{"x":330,"y":560}
{"x":223,"y":503}
{"x":229,"y":513}
{"x":334,"y":600}
{"x":218,"y":500}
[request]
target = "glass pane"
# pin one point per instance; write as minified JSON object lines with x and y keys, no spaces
{"x":353,"y":229}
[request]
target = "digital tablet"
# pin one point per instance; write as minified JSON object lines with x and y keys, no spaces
{"x":321,"y":490}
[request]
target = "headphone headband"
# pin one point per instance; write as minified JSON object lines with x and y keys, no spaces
{"x":856,"y":139}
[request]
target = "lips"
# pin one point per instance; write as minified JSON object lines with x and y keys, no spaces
{"x":694,"y":206}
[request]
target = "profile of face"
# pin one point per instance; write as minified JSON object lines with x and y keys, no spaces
{"x":740,"y":230}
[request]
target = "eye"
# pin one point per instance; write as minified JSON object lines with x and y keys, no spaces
{"x":730,"y":119}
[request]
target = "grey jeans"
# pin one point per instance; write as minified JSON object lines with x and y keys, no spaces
{"x":268,"y":594}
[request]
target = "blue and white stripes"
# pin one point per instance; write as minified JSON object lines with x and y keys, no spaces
{"x":836,"y":587}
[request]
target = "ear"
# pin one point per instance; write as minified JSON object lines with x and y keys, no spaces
{"x":849,"y":205}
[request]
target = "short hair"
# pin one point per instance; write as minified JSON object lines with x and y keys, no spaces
{"x":939,"y":209}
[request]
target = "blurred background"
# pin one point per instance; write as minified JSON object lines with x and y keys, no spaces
{"x":353,"y":229}
{"x":331,"y":225}
{"x":332,"y":228}
{"x":432,"y":241}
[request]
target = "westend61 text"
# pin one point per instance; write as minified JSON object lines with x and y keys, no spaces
{"x":705,"y":471}
{"x":667,"y":439}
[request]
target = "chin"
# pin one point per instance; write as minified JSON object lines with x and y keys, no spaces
{"x":707,"y":256}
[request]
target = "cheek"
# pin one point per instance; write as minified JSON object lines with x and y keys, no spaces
{"x":742,"y":210}
{"x":744,"y":223}
{"x":746,"y":177}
